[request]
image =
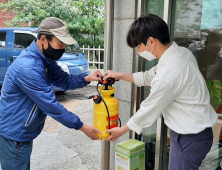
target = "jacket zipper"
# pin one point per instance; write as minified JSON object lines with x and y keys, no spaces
{"x":31,"y":116}
{"x":48,"y":76}
{"x":33,"y":111}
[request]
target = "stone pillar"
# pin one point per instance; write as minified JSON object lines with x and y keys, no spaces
{"x":124,"y":15}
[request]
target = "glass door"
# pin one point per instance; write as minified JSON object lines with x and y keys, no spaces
{"x":197,"y":25}
{"x":149,"y":134}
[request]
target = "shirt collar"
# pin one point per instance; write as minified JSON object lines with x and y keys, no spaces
{"x":35,"y":49}
{"x":166,"y":55}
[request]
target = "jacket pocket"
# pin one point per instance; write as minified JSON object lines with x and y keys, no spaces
{"x":31,"y":116}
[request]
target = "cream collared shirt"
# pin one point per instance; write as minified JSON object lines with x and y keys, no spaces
{"x":178,"y":91}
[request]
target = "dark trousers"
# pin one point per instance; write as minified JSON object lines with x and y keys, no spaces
{"x":188,"y":151}
{"x":15,"y":155}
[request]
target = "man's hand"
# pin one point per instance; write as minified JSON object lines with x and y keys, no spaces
{"x":89,"y":131}
{"x":117,"y":75}
{"x":116,"y":132}
{"x":95,"y":76}
{"x":111,"y":74}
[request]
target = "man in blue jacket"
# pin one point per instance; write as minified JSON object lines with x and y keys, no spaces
{"x":27,"y":96}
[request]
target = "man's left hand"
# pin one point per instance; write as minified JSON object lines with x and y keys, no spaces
{"x":116,"y":132}
{"x":95,"y":76}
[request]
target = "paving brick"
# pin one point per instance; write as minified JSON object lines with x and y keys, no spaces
{"x":70,"y":104}
{"x":51,"y":125}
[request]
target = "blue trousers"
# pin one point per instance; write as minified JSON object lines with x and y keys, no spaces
{"x":15,"y":155}
{"x":188,"y":151}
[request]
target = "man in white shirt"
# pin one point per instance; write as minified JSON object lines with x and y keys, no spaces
{"x":178,"y":91}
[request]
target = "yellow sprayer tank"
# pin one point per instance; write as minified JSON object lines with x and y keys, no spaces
{"x":100,"y":115}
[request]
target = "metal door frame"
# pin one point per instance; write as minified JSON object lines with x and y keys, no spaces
{"x":161,"y":136}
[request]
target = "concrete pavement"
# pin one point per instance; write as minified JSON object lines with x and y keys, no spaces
{"x":61,"y":148}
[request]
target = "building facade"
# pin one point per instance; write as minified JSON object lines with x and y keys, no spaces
{"x":5,"y":16}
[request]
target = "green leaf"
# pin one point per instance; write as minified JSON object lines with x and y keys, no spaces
{"x":84,"y":17}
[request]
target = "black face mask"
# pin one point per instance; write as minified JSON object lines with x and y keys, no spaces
{"x":54,"y":54}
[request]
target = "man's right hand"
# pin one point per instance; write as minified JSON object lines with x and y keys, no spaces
{"x":112,"y":74}
{"x":95,"y":76}
{"x":119,"y":76}
{"x":89,"y":131}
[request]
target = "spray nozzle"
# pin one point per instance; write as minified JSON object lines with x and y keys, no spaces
{"x":97,"y":99}
{"x":108,"y":82}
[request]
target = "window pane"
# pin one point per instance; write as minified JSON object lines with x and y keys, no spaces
{"x":198,"y":27}
{"x":72,"y":49}
{"x":155,"y":7}
{"x":2,"y":39}
{"x":149,"y":133}
{"x":187,"y":23}
{"x":23,"y":40}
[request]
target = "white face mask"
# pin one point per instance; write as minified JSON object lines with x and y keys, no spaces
{"x":147,"y":55}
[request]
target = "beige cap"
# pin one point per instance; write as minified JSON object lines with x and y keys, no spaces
{"x":214,"y":39}
{"x":58,"y":28}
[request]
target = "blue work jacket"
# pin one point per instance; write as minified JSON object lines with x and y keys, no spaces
{"x":27,"y":96}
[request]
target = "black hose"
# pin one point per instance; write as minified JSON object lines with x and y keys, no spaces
{"x":119,"y":122}
{"x":105,"y":105}
{"x":107,"y":112}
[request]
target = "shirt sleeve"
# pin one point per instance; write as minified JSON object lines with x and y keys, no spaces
{"x":161,"y":95}
{"x":144,"y":78}
{"x":32,"y":82}
{"x":65,"y":81}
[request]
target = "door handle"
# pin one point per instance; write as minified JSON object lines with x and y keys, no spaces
{"x":10,"y":59}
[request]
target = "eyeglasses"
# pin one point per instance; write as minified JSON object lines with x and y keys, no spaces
{"x":137,"y":47}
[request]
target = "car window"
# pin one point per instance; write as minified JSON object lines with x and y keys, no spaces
{"x":2,"y":39}
{"x":23,"y":40}
{"x":72,"y":49}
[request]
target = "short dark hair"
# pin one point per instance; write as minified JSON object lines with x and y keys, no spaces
{"x":48,"y":37}
{"x":145,"y":27}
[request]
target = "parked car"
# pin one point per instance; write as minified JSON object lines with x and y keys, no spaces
{"x":14,"y":40}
